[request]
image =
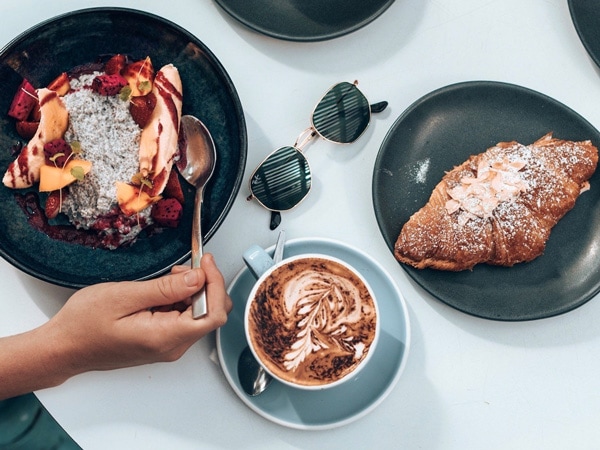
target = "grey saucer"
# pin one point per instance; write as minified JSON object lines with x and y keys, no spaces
{"x":312,"y":410}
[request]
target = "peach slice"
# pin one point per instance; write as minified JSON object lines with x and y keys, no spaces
{"x":53,"y":178}
{"x":132,"y":199}
{"x":139,"y":75}
{"x":60,"y":84}
{"x":158,"y":142}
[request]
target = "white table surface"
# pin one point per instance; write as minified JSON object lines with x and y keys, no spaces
{"x":469,"y":383}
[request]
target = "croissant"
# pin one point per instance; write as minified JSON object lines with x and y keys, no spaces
{"x":498,"y":207}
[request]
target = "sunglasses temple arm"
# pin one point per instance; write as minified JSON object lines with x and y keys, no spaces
{"x":378,"y":107}
{"x":275,"y":219}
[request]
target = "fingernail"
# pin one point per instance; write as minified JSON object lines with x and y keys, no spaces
{"x":191,"y":278}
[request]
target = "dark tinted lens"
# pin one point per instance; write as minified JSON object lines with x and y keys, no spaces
{"x":342,"y":114}
{"x":282,"y":180}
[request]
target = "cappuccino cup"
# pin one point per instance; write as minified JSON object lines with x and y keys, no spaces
{"x":311,"y":320}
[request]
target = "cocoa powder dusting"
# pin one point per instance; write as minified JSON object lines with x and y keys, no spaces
{"x":313,"y":321}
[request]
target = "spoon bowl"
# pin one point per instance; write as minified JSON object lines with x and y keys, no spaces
{"x":196,"y":165}
{"x":253,"y":377}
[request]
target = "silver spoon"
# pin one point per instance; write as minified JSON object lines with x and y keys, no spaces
{"x":253,"y":377}
{"x":196,"y":164}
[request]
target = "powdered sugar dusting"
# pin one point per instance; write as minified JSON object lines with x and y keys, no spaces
{"x":421,"y":170}
{"x":551,"y":175}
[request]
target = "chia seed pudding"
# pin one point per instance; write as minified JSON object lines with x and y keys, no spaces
{"x":109,"y":139}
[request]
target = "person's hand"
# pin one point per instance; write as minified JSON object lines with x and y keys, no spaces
{"x":113,"y":325}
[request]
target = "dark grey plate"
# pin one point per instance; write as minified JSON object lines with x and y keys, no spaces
{"x":305,"y":20}
{"x":440,"y":131}
{"x":586,"y":18}
{"x":60,"y":44}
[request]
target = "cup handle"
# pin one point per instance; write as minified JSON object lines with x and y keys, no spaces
{"x":257,"y":260}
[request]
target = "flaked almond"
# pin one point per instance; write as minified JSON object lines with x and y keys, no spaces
{"x":494,"y":183}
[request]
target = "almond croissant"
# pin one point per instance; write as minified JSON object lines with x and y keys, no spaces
{"x":498,"y":207}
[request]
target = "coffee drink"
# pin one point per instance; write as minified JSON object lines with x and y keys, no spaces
{"x":312,"y":321}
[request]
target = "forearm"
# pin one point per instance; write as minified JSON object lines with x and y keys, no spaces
{"x":31,"y":361}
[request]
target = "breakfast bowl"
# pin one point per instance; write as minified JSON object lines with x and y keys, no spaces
{"x":81,"y":37}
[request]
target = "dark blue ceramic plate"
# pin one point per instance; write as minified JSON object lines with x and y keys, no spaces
{"x":440,"y":131}
{"x":305,"y":20}
{"x":60,"y":44}
{"x":586,"y":19}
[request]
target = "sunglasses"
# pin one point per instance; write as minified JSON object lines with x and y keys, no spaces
{"x":283,"y":179}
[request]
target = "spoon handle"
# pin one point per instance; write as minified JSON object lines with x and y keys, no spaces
{"x":199,"y":307}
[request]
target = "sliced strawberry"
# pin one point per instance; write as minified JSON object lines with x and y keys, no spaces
{"x":26,"y":129}
{"x":23,"y":102}
{"x":173,"y":188}
{"x":57,"y":152}
{"x":115,"y":64}
{"x":167,"y":212}
{"x":141,"y":108}
{"x":53,"y":203}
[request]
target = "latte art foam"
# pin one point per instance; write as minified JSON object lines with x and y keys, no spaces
{"x":313,"y":321}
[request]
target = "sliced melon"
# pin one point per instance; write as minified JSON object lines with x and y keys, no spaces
{"x":132,"y":199}
{"x":53,"y":178}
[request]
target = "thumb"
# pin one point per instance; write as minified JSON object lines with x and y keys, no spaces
{"x":165,"y":290}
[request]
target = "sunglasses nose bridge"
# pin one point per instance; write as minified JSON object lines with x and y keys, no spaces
{"x":304,"y":138}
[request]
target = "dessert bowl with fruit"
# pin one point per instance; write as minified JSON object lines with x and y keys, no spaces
{"x":92,"y":102}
